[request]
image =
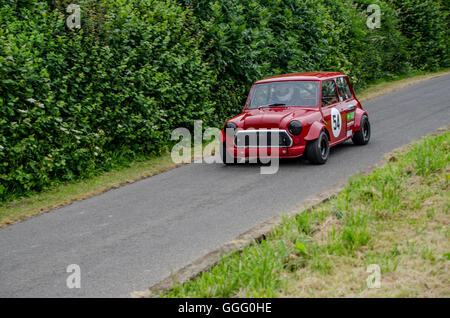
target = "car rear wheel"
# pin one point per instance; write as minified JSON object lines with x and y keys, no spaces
{"x":317,"y":151}
{"x":227,"y":159}
{"x":362,"y":136}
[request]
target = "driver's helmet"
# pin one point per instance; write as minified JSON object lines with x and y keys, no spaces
{"x":284,"y":93}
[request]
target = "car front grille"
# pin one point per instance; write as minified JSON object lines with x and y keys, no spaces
{"x":262,"y":138}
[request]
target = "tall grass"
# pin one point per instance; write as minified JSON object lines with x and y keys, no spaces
{"x":259,"y":270}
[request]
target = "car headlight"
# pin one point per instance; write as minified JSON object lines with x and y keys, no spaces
{"x":230,"y":128}
{"x":295,"y":127}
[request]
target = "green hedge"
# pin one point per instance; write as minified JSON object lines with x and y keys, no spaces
{"x":425,"y":24}
{"x":77,"y":102}
{"x":249,"y":39}
{"x":73,"y":103}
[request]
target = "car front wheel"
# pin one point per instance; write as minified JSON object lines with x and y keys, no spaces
{"x":362,"y":136}
{"x":317,"y":151}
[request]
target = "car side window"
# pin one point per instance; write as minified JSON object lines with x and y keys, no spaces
{"x":344,"y":89}
{"x":329,"y":93}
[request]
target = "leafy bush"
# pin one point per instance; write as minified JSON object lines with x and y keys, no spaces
{"x":77,"y":102}
{"x":425,"y":23}
{"x":246,"y":40}
{"x":369,"y":54}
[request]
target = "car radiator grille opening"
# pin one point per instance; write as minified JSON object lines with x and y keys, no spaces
{"x":262,"y":138}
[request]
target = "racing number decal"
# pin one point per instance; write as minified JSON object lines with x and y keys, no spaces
{"x":336,"y":122}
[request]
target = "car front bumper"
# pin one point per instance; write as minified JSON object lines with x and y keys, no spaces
{"x":264,"y":152}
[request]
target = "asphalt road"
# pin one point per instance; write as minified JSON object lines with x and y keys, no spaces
{"x":131,"y":237}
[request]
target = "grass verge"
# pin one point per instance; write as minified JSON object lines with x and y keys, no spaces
{"x":397,"y":217}
{"x":64,"y":194}
{"x":382,"y":87}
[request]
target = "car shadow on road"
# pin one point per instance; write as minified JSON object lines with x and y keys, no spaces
{"x":288,"y":162}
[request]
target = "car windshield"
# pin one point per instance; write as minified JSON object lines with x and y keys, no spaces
{"x":289,"y":93}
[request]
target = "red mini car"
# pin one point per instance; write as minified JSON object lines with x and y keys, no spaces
{"x":306,"y":112}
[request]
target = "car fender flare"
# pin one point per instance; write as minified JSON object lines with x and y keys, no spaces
{"x":359,"y":113}
{"x":314,"y":131}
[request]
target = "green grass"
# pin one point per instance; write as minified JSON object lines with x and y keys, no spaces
{"x":396,"y":217}
{"x":27,"y":206}
{"x":386,"y":85}
{"x":62,"y":194}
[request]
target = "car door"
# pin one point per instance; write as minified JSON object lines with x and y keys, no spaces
{"x":348,"y":103}
{"x":332,"y":111}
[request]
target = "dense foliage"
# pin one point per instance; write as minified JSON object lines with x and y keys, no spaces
{"x":73,"y":102}
{"x":76,"y":102}
{"x":425,"y":24}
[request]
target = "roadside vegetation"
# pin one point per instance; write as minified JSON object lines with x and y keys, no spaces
{"x":67,"y":192}
{"x":77,"y":103}
{"x":396,"y":217}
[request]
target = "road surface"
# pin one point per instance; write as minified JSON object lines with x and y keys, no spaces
{"x":132,"y":237}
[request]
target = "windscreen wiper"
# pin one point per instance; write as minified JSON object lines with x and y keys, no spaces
{"x":272,"y":105}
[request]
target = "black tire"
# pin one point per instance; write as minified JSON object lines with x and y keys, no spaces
{"x":227,"y":159}
{"x":362,"y":136}
{"x":317,"y":151}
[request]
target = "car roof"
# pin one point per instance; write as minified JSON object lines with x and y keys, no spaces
{"x":318,"y":76}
